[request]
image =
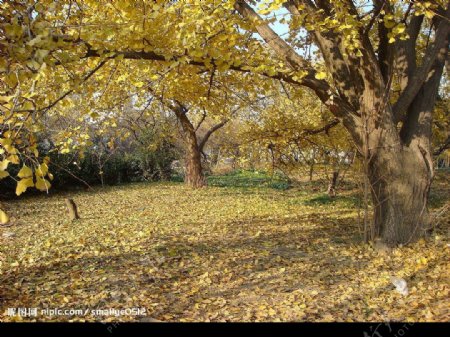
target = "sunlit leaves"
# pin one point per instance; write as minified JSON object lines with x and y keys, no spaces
{"x":321,"y":75}
{"x":23,"y":184}
{"x":26,"y":175}
{"x":427,"y":8}
{"x":44,"y":69}
{"x":25,"y":172}
{"x":4,"y":218}
{"x":42,"y":170}
{"x":266,"y":7}
{"x":42,"y":184}
{"x":3,"y":166}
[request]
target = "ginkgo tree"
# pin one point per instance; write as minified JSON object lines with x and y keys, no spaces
{"x":375,"y":65}
{"x":199,"y":98}
{"x":292,"y":131}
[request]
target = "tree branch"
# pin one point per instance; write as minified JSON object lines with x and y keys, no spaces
{"x":201,"y":120}
{"x":326,"y":128}
{"x":208,"y":134}
{"x":330,"y":43}
{"x":415,"y":82}
{"x":443,"y":147}
{"x":385,"y":49}
{"x":295,"y":61}
{"x":406,"y":52}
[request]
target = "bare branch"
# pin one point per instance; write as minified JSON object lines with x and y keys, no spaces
{"x":326,"y":128}
{"x":208,"y":134}
{"x":444,"y":146}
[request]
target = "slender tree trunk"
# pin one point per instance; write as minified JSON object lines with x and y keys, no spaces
{"x":194,"y":171}
{"x":215,"y":157}
{"x":312,"y":161}
{"x":332,"y":185}
{"x":311,"y":171}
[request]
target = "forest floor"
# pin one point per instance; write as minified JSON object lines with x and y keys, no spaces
{"x":216,"y":254}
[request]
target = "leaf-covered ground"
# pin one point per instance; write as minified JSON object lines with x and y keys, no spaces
{"x":215,"y":254}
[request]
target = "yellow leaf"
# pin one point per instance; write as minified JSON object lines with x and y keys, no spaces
{"x":4,"y":218}
{"x":4,"y":164}
{"x":399,"y":29}
{"x":389,"y":24}
{"x":6,"y":98}
{"x":25,"y":172}
{"x":5,"y":142}
{"x":139,"y":84}
{"x":3,"y":174}
{"x":321,"y":75}
{"x":42,"y":184}
{"x":41,"y":53}
{"x":14,"y":159}
{"x":28,"y":106}
{"x":23,"y":185}
{"x":429,"y":14}
{"x":422,"y":260}
{"x":42,"y":170}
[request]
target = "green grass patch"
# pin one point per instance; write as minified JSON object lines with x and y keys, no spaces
{"x":324,"y":199}
{"x":250,"y":178}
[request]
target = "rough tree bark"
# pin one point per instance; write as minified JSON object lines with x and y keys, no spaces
{"x":400,"y":184}
{"x":401,"y":173}
{"x":400,"y":168}
{"x":194,"y":170}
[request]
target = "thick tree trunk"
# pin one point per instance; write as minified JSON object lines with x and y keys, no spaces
{"x":401,"y":170}
{"x":193,"y":160}
{"x":400,"y":185}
